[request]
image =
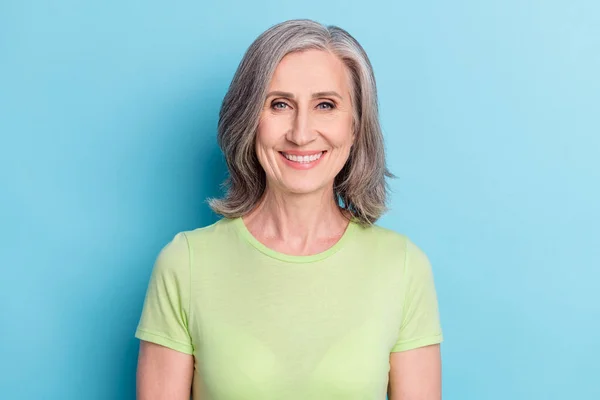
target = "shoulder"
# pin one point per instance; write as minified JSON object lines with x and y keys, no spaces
{"x":395,"y":245}
{"x":211,"y":237}
{"x":175,"y":256}
{"x":382,"y":233}
{"x":187,"y":248}
{"x":384,"y":238}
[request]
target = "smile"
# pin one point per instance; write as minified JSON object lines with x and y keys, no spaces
{"x":303,"y":159}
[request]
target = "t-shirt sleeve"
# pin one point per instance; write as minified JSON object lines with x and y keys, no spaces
{"x":420,"y":319}
{"x":165,"y":313}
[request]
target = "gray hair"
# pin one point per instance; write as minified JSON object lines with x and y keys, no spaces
{"x":360,"y":187}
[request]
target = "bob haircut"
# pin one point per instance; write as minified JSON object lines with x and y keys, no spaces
{"x":360,"y":187}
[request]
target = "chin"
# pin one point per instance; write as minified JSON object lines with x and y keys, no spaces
{"x":301,"y":187}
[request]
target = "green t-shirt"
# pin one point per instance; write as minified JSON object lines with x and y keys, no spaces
{"x":265,"y":325}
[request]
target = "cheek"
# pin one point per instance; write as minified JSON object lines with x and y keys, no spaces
{"x":267,"y":138}
{"x":264,"y":139}
{"x":269,"y":131}
{"x":341,"y":134}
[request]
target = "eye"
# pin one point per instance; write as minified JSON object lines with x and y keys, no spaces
{"x":326,"y":105}
{"x":278,"y":105}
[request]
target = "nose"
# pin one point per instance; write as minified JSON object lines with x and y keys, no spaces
{"x":301,"y":132}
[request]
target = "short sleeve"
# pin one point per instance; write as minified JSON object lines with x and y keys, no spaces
{"x":420,"y":320}
{"x":165,"y":313}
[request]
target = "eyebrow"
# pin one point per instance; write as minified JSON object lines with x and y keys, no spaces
{"x":331,"y":93}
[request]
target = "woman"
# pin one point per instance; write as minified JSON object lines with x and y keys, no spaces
{"x":295,"y":293}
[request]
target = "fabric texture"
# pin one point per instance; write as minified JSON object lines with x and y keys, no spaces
{"x":267,"y":325}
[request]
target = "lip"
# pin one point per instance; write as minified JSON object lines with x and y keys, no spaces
{"x":302,"y":166}
{"x":302,"y":153}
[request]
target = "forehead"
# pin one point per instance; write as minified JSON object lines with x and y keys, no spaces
{"x":311,"y":70}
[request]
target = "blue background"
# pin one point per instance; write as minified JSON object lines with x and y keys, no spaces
{"x":108,"y":113}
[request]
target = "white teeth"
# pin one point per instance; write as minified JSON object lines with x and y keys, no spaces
{"x":303,"y":159}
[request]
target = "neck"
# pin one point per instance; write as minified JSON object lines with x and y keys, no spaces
{"x":297,"y":218}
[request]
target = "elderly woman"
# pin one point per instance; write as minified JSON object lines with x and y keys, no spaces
{"x":295,"y":293}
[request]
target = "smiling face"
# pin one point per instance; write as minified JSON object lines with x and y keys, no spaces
{"x":305,"y":130}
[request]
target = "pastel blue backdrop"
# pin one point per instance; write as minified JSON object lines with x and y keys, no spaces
{"x":491,"y":110}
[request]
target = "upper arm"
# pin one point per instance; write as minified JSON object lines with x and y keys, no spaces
{"x":416,"y":374}
{"x":163,"y":373}
{"x":415,"y":361}
{"x":166,"y":312}
{"x":420,"y":325}
{"x":166,"y":361}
